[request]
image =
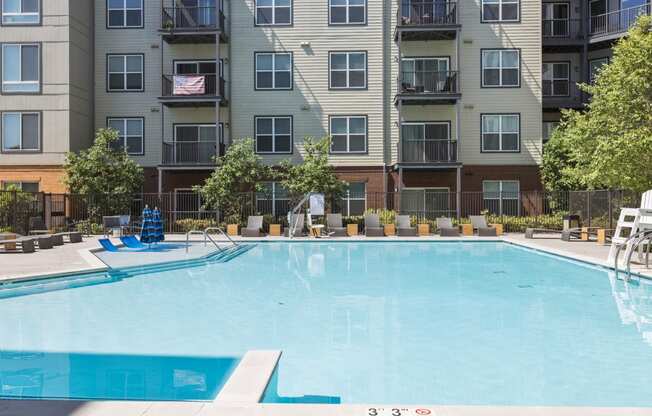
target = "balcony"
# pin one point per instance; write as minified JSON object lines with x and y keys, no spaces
{"x":558,"y":95}
{"x":426,"y":20}
{"x":427,"y":152}
{"x":193,"y":25}
{"x":191,"y":153}
{"x":560,"y":33}
{"x":614,"y":24}
{"x":428,"y":88}
{"x":192,"y":90}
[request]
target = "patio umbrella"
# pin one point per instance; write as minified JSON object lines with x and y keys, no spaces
{"x":148,"y":231}
{"x":158,"y":225}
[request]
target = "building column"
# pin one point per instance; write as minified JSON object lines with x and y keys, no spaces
{"x":458,"y":192}
{"x":160,"y":180}
{"x":218,"y":79}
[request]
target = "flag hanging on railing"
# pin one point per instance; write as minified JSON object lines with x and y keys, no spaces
{"x":189,"y":85}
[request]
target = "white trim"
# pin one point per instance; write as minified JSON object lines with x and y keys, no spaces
{"x":21,"y":13}
{"x":20,"y":68}
{"x":20,"y":115}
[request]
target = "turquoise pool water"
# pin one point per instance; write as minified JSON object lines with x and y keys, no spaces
{"x":427,"y":323}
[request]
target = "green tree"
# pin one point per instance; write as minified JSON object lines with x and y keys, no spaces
{"x":237,"y":173}
{"x":314,"y":174}
{"x":106,"y":174}
{"x":16,"y":207}
{"x":609,"y":144}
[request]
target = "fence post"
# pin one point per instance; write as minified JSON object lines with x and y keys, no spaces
{"x":15,"y":212}
{"x":610,"y":210}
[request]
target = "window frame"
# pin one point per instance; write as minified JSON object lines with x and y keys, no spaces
{"x":39,"y":46}
{"x":273,"y":88}
{"x":348,"y":134}
{"x":500,"y":197}
{"x":500,"y":133}
{"x":274,"y":7}
{"x":500,"y":67}
{"x":274,"y":118}
{"x":125,"y":118}
{"x":348,"y":70}
{"x":592,"y":77}
{"x":500,"y":12}
{"x":552,"y":125}
{"x":124,"y":65}
{"x":348,"y":21}
{"x":19,"y":184}
{"x":124,"y":9}
{"x":220,"y":131}
{"x":39,"y":130}
{"x":261,"y":196}
{"x":346,"y":198}
{"x":39,"y":13}
{"x":553,"y":79}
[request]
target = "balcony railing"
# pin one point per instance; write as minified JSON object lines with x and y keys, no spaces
{"x":192,"y":18}
{"x":427,"y":151}
{"x":428,"y":82}
{"x":617,"y":21}
{"x":190,"y":153}
{"x":425,"y":13}
{"x":179,"y":86}
{"x":562,"y":28}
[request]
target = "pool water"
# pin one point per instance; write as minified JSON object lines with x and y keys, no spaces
{"x":358,"y":322}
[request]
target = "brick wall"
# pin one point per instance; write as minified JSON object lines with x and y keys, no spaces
{"x":49,"y":178}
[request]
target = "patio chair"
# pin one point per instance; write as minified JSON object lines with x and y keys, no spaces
{"x":296,"y":224}
{"x":404,"y":228}
{"x":37,"y":226}
{"x":479,"y":223}
{"x":254,"y":226}
{"x":335,"y":226}
{"x":446,"y":228}
{"x":372,"y":227}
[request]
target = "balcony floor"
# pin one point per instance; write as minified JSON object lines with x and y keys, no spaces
{"x":426,"y":32}
{"x":427,"y":99}
{"x":184,"y":102}
{"x":191,"y":36}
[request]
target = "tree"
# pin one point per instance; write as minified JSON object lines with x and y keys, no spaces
{"x":315,"y":174}
{"x":16,"y":207}
{"x":609,"y":144}
{"x":106,"y":174}
{"x":239,"y":171}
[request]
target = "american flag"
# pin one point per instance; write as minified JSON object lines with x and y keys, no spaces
{"x":189,"y":84}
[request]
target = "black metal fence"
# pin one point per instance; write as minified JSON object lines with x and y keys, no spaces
{"x":184,"y":210}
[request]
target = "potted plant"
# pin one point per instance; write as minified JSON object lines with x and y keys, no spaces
{"x":232,"y":225}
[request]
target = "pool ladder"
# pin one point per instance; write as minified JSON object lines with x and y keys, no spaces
{"x":631,"y":244}
{"x":207,"y":237}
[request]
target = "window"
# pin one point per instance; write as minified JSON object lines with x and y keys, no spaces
{"x":501,"y":197}
{"x":273,"y":134}
{"x":347,"y":12}
{"x":500,"y":10}
{"x":555,"y":20}
{"x":426,"y":142}
{"x":21,"y":12}
{"x":273,"y":12}
{"x":21,"y":132}
{"x":595,"y":65}
{"x":348,"y":134}
{"x":125,"y":72}
{"x":501,"y":132}
{"x":354,"y":199}
{"x":425,"y":75}
{"x":501,"y":68}
{"x":556,"y":79}
{"x":428,"y":202}
{"x":273,"y":200}
{"x":124,"y":13}
{"x":548,"y":128}
{"x":21,"y":68}
{"x":130,"y":132}
{"x":273,"y":71}
{"x":23,"y":186}
{"x":348,"y":70}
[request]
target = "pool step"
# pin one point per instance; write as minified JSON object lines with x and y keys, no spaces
{"x":231,"y":253}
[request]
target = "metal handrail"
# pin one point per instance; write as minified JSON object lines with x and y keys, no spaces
{"x":206,"y":235}
{"x":635,"y":240}
{"x":295,"y":211}
{"x":191,"y":232}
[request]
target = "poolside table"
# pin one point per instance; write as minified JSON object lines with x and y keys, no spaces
{"x":423,"y":230}
{"x":467,"y":229}
{"x":352,"y":229}
{"x":390,"y":229}
{"x":232,"y":229}
{"x":275,"y":230}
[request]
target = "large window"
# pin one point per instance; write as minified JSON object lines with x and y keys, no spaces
{"x":426,"y":75}
{"x":501,"y":197}
{"x":501,"y":68}
{"x":501,"y":132}
{"x":556,"y":79}
{"x":348,"y":134}
{"x":500,"y":10}
{"x":347,"y":12}
{"x":430,"y":203}
{"x":124,"y":13}
{"x":273,"y":12}
{"x":125,"y":73}
{"x":21,"y":68}
{"x":21,"y":132}
{"x":130,"y":134}
{"x":555,"y":19}
{"x":354,"y":199}
{"x":21,"y":185}
{"x":348,"y":70}
{"x":595,"y":65}
{"x":273,"y":71}
{"x":426,"y":142}
{"x":273,"y":134}
{"x":21,"y":12}
{"x":273,"y":200}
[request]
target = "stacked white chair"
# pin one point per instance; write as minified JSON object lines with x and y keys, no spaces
{"x":632,"y":222}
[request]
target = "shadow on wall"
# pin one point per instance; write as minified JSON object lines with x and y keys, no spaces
{"x":29,"y":374}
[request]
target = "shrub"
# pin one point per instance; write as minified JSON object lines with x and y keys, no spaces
{"x":190,"y":224}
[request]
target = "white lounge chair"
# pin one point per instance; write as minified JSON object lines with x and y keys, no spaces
{"x":404,"y":227}
{"x":480,"y":223}
{"x":254,"y":226}
{"x":446,"y":228}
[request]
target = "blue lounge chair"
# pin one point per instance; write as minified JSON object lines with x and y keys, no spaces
{"x":132,"y":242}
{"x":108,"y":245}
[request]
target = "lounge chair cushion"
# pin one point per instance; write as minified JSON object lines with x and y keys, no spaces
{"x":407,"y":232}
{"x":374,"y":232}
{"x":449,"y":232}
{"x":251,"y":232}
{"x":334,"y":225}
{"x":487,"y":232}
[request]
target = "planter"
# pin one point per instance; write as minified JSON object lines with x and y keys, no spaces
{"x":275,"y":230}
{"x":390,"y":229}
{"x":467,"y":229}
{"x":352,"y":229}
{"x":232,"y":229}
{"x":423,"y":230}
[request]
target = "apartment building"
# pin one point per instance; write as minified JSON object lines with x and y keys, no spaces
{"x":46,"y":96}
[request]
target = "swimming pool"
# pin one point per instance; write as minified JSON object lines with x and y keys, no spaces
{"x":466,"y":323}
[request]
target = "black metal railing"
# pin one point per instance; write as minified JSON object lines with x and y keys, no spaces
{"x":190,"y":153}
{"x":192,"y":18}
{"x":562,"y":29}
{"x":427,"y":151}
{"x":178,"y":85}
{"x":617,"y":21}
{"x":428,"y":82}
{"x":421,"y":13}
